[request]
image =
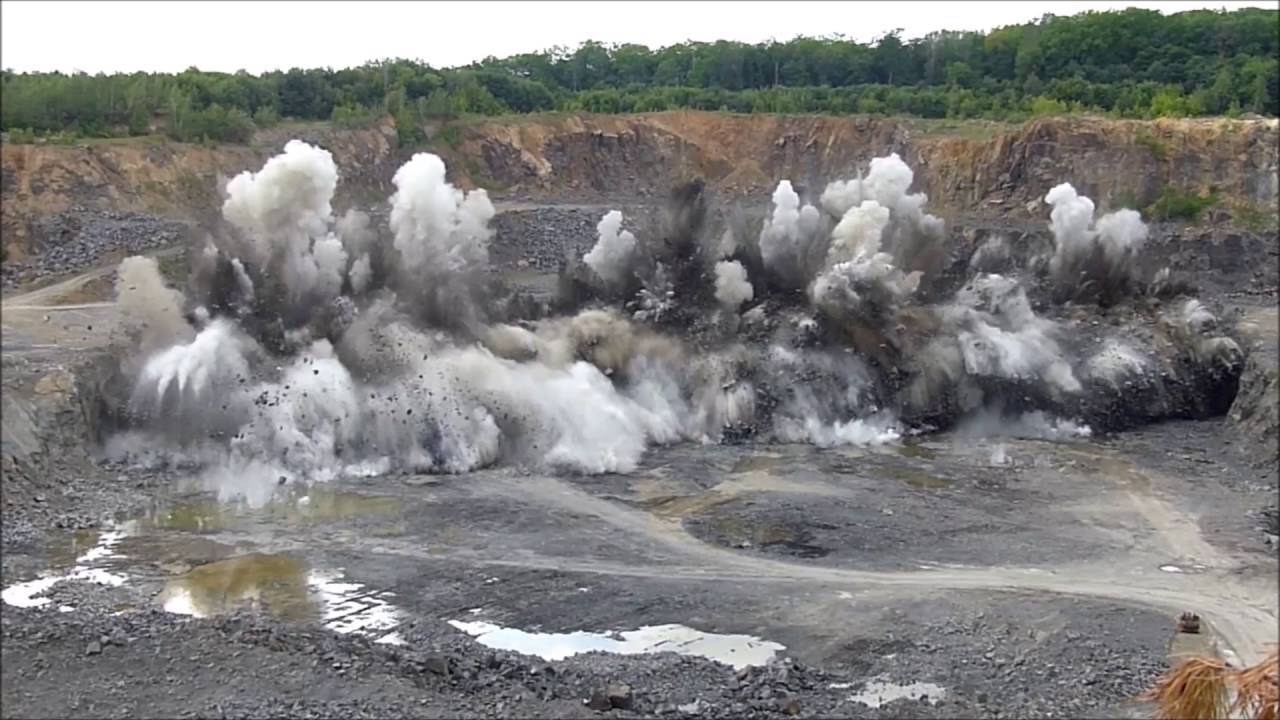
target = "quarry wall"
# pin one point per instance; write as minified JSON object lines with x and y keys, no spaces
{"x":968,"y":167}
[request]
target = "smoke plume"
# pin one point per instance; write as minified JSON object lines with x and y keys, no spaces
{"x":314,"y":347}
{"x":1092,"y":262}
{"x":148,"y":307}
{"x":614,"y":252}
{"x":732,"y":287}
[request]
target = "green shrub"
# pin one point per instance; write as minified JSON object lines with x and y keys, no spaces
{"x":213,"y":124}
{"x":449,"y":135}
{"x":1173,"y":204}
{"x":352,"y":117}
{"x":266,"y":116}
{"x":1138,"y":64}
{"x":1170,"y":102}
{"x":21,"y":136}
{"x":1042,"y":106}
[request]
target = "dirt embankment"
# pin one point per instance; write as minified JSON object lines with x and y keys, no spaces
{"x":962,"y":166}
{"x":158,"y":177}
{"x":965,"y":167}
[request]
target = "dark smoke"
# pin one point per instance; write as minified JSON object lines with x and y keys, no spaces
{"x":315,"y":346}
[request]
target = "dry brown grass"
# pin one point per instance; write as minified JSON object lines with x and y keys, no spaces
{"x":1197,"y":689}
{"x":1258,"y":689}
{"x":1194,"y":690}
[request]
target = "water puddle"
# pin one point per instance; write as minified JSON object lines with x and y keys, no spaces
{"x":87,"y":568}
{"x":739,"y":651}
{"x":204,"y":582}
{"x":1194,"y":568}
{"x":316,"y":504}
{"x":275,"y":583}
{"x":881,"y":692}
{"x":171,"y":554}
{"x":284,"y":587}
{"x":65,"y":549}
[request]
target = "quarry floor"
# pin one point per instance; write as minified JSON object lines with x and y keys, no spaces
{"x":963,"y":576}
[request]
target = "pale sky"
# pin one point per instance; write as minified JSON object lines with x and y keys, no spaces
{"x":258,"y":36}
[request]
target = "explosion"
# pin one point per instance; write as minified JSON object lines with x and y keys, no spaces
{"x":309,"y":346}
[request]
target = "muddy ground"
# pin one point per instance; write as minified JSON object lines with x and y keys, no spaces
{"x":943,"y":576}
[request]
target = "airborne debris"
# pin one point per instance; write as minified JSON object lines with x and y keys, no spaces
{"x":376,"y":352}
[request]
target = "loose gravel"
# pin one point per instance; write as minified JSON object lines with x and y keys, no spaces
{"x":80,"y":238}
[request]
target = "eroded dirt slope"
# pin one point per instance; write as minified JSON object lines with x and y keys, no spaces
{"x":160,"y":178}
{"x":965,"y":167}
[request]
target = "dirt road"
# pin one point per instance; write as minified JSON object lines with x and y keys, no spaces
{"x":921,"y":562}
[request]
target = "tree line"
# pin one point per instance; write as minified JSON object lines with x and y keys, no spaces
{"x":1132,"y":63}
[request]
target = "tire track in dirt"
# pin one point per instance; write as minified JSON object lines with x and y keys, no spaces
{"x":1246,"y":618}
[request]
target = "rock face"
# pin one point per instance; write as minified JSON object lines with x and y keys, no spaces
{"x":1256,"y":410}
{"x":51,"y":414}
{"x":975,"y":166}
{"x":980,"y":166}
{"x":160,"y":178}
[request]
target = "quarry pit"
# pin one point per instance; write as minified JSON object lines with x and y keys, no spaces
{"x":803,"y":518}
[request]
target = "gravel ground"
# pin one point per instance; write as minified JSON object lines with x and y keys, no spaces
{"x":996,"y":654}
{"x":80,"y":238}
{"x":1009,"y":661}
{"x":993,"y":654}
{"x":541,"y":238}
{"x":269,"y":669}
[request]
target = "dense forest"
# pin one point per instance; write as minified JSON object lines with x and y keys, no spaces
{"x":1132,"y":63}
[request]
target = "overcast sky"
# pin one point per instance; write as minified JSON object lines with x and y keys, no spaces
{"x":259,"y":36}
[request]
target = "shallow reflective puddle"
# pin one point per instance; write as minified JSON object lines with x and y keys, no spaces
{"x":316,"y":504}
{"x":877,"y":693}
{"x":88,"y":566}
{"x":738,"y":651}
{"x":202,"y":578}
{"x":277,"y":582}
{"x":65,"y":548}
{"x":283,"y":586}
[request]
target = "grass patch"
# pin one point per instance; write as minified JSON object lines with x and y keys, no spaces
{"x":963,"y":129}
{"x":1174,"y":204}
{"x":472,"y":119}
{"x":1145,"y":139}
{"x":131,"y":140}
{"x":449,"y":135}
{"x":294,"y":125}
